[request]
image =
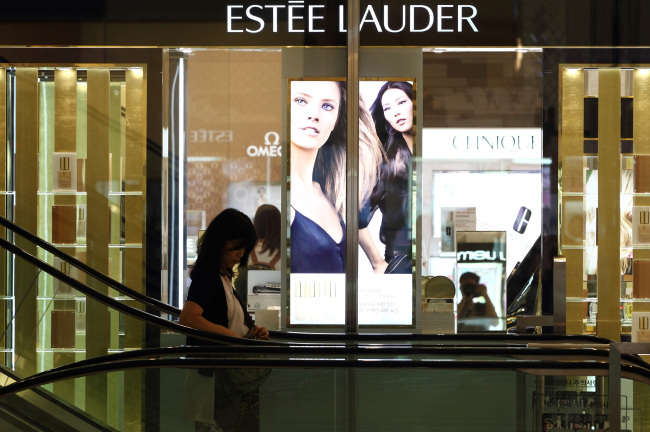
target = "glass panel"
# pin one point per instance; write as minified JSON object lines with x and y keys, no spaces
{"x":481,"y":169}
{"x":319,"y":398}
{"x":240,"y":117}
{"x":75,"y":178}
{"x":596,"y":145}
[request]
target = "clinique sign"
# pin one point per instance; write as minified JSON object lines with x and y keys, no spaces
{"x":298,"y":17}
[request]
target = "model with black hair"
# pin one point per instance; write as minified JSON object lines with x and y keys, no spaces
{"x":392,"y":112}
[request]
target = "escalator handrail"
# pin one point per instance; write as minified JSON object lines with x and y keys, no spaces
{"x":576,"y":367}
{"x":279,"y":336}
{"x":128,"y":310}
{"x":121,"y":288}
{"x":382,"y":337}
{"x":587,"y":354}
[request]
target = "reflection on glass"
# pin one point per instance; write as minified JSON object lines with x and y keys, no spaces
{"x":481,"y":264}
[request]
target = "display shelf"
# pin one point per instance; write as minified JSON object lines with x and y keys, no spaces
{"x":132,"y":193}
{"x":81,"y":299}
{"x":126,"y":246}
{"x":595,"y":195}
{"x":61,"y":193}
{"x":594,"y":300}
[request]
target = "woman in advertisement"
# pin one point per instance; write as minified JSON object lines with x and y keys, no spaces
{"x":318,"y":146}
{"x":392,"y":112}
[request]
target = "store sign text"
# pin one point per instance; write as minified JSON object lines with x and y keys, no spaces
{"x":480,"y":255}
{"x":210,"y":135}
{"x":494,"y":142}
{"x":482,"y":143}
{"x":271,"y":147}
{"x":301,"y":18}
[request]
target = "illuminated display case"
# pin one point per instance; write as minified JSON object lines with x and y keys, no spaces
{"x":603,"y":194}
{"x":77,"y":180}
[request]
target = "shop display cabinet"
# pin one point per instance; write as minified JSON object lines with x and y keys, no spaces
{"x":603,"y":196}
{"x":75,"y":176}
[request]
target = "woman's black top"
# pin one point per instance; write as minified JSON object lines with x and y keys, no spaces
{"x":207,"y":291}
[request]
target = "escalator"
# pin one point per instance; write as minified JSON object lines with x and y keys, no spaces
{"x":385,"y":388}
{"x":317,"y":381}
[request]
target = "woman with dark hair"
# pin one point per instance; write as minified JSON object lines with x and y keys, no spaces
{"x":212,"y":304}
{"x":267,"y":227}
{"x":318,"y":147}
{"x":392,"y":112}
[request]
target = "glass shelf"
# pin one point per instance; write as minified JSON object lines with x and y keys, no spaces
{"x":126,"y":246}
{"x":114,"y":246}
{"x":77,"y":298}
{"x":579,"y":247}
{"x":595,"y":195}
{"x":594,"y":300}
{"x":76,"y":193}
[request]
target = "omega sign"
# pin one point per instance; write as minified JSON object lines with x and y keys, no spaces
{"x":271,"y":147}
{"x":298,"y":17}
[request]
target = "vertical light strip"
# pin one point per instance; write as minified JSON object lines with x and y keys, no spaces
{"x":65,"y":110}
{"x":572,"y":180}
{"x":182,"y":161}
{"x":98,"y":235}
{"x":26,"y":217}
{"x":134,"y":200}
{"x":134,"y":214}
{"x":65,"y":140}
{"x":4,"y":291}
{"x":641,"y":136}
{"x":609,"y":212}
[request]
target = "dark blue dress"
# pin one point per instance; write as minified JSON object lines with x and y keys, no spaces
{"x":312,"y":248}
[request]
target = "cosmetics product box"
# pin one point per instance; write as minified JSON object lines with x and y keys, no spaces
{"x":579,"y":421}
{"x":64,"y":168}
{"x":63,"y":329}
{"x":62,"y":289}
{"x":641,"y":173}
{"x":64,"y":223}
{"x":641,"y":279}
{"x":601,"y":422}
{"x":641,"y":225}
{"x":551,"y":421}
{"x":81,"y":221}
{"x":641,"y":327}
{"x":80,"y":316}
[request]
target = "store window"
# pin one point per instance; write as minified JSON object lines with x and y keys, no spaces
{"x":481,"y":176}
{"x":463,"y":157}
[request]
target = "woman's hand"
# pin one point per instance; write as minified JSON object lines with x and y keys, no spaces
{"x":260,"y":333}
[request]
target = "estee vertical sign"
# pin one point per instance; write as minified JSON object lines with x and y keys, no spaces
{"x":308,"y":17}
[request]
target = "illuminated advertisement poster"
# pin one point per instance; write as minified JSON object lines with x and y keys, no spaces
{"x":317,"y":132}
{"x":386,"y":147}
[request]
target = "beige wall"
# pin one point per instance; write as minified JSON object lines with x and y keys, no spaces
{"x":235,"y":98}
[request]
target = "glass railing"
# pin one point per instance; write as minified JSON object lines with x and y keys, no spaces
{"x":361,"y":389}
